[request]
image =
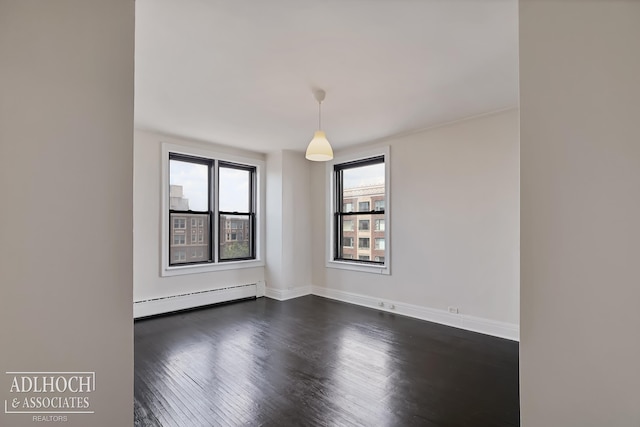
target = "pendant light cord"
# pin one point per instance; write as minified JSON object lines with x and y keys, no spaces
{"x":319,"y":115}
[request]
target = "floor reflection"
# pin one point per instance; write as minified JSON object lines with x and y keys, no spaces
{"x":362,"y":374}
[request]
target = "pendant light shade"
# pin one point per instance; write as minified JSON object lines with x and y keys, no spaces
{"x":319,"y":149}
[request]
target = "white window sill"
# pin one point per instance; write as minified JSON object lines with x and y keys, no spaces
{"x":356,"y":266}
{"x":180,"y":270}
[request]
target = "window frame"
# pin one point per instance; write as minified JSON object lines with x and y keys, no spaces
{"x":332,"y":219}
{"x":258,"y":196}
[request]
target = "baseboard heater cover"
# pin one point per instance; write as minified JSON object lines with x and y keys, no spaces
{"x":168,"y":304}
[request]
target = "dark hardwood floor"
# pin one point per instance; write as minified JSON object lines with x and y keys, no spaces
{"x":312,"y":361}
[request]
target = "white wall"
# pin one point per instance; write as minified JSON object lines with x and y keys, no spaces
{"x":66,"y":164}
{"x":274,"y":257}
{"x":289,"y":224}
{"x":455,"y":222}
{"x":580,"y":136}
{"x":147,"y":230}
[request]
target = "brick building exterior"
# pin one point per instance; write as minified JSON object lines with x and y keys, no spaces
{"x":364,"y":235}
{"x":189,"y":233}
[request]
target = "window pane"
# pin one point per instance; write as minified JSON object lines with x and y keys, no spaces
{"x":188,"y":238}
{"x":363,"y":242}
{"x":235,"y":237}
{"x":379,"y":205}
{"x":347,"y":225}
{"x":189,"y":186}
{"x":363,"y":224}
{"x":234,"y":189}
{"x":380,"y":243}
{"x":362,"y":184}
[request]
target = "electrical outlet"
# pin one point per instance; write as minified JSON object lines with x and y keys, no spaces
{"x":453,"y":310}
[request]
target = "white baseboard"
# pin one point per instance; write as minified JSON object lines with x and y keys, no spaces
{"x":173,"y":303}
{"x":180,"y":302}
{"x":471,"y":323}
{"x":285,"y":294}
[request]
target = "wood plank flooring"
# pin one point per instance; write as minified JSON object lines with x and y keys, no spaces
{"x":312,"y":361}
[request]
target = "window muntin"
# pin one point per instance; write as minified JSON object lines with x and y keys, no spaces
{"x":360,"y":183}
{"x":198,"y":190}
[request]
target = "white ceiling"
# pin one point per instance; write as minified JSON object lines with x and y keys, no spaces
{"x":242,"y":72}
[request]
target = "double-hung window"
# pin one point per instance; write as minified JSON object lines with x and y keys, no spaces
{"x":189,"y":201}
{"x":236,"y":185}
{"x":210,"y":213}
{"x":359,"y":213}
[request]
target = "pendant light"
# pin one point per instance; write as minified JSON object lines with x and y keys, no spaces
{"x":319,"y":149}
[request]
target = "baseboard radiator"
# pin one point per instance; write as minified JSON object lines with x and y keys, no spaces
{"x":185,"y":301}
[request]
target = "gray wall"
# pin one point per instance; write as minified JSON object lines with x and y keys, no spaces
{"x":66,"y":162}
{"x":580,"y":204}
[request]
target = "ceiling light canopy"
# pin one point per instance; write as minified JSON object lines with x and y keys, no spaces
{"x":319,"y":149}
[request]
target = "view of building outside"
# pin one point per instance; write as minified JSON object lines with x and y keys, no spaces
{"x":189,"y":233}
{"x":364,"y":235}
{"x":235,"y":234}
